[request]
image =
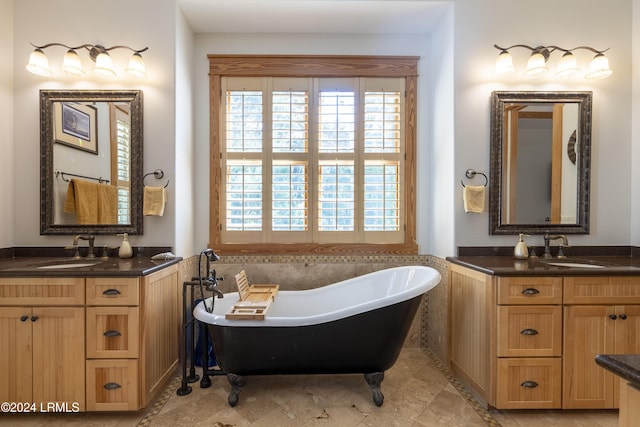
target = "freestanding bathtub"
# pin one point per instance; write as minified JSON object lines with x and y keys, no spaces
{"x":355,"y":326}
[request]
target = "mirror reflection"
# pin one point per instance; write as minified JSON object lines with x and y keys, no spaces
{"x":91,"y":151}
{"x":540,"y":162}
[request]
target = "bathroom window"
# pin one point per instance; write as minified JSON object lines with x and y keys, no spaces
{"x":314,"y":162}
{"x":120,"y":119}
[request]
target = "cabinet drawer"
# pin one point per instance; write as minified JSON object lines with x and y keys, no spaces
{"x":112,"y":385}
{"x":529,"y":331}
{"x":531,"y":383}
{"x":602,"y":290}
{"x":112,"y":291}
{"x":112,"y":332}
{"x":529,"y":290}
{"x":42,"y":291}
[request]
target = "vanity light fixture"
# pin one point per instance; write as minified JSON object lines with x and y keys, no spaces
{"x":567,"y":67}
{"x":72,"y":65}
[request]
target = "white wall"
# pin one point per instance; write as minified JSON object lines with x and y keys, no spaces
{"x":453,"y":131}
{"x":118,"y":22}
{"x":186,"y":232}
{"x":635,"y":126}
{"x":6,"y":124}
{"x":319,"y":44}
{"x":478,"y":26}
{"x":436,"y":184}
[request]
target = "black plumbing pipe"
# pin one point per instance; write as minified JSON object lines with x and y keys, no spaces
{"x":184,"y":386}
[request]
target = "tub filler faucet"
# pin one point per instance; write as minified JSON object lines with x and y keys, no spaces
{"x":547,"y":245}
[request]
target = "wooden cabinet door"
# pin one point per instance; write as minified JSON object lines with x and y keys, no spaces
{"x":627,"y":338}
{"x":589,"y":330}
{"x":15,"y":354}
{"x":59,"y":355}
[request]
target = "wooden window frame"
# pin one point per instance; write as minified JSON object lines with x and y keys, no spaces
{"x":313,"y":66}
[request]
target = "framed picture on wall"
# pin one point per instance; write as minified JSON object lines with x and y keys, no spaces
{"x":75,"y":125}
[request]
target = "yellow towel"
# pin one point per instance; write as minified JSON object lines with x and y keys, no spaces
{"x":473,"y":196}
{"x":82,"y":199}
{"x":107,"y":204}
{"x":154,"y":200}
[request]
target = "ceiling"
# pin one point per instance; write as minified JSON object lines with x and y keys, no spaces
{"x":314,"y":16}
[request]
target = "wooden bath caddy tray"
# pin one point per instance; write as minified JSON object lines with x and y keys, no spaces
{"x":254,"y":300}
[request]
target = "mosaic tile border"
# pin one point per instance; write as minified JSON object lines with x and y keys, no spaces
{"x":327,"y":259}
{"x":480,"y":410}
{"x":160,"y":402}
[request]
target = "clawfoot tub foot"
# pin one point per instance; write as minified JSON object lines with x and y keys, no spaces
{"x":236,"y":382}
{"x":374,"y":380}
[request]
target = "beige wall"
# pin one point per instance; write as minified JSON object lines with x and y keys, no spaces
{"x":6,"y":123}
{"x":455,"y":72}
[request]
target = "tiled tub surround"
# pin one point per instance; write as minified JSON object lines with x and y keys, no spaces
{"x":429,"y":329}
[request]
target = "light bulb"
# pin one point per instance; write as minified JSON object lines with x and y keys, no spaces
{"x":104,"y":66}
{"x":136,"y":67}
{"x":71,"y":64}
{"x":599,"y":67}
{"x":568,"y":66}
{"x":38,"y":63}
{"x":536,"y":65}
{"x":504,"y":64}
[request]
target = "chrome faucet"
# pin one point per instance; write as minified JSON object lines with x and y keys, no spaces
{"x":90,"y":238}
{"x":547,"y":245}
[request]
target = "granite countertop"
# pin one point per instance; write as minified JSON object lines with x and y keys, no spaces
{"x":626,"y":366}
{"x":132,"y":267}
{"x":508,"y":265}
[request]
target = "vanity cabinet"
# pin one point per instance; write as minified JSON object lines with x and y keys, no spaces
{"x":529,"y":342}
{"x":42,"y":355}
{"x":602,"y":316}
{"x":107,"y":343}
{"x":132,"y":339}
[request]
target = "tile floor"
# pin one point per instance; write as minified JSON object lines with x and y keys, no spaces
{"x":419,"y":391}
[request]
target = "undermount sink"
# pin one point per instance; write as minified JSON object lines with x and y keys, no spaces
{"x":574,"y":264}
{"x":67,"y":265}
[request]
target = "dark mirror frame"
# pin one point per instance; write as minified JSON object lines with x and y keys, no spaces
{"x":47,"y":100}
{"x":496,"y":195}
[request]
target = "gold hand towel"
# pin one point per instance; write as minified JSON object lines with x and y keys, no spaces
{"x":82,"y":199}
{"x":107,"y":204}
{"x":473,"y":196}
{"x":154,"y":200}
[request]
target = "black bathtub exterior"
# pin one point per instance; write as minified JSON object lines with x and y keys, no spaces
{"x":364,"y":343}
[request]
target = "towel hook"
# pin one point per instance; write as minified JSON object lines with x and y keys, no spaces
{"x":158,"y":174}
{"x":470,"y":174}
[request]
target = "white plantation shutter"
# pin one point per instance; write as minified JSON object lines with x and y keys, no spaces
{"x":121,"y":149}
{"x":312,"y":160}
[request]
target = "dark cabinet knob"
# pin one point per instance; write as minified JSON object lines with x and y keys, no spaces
{"x":613,"y":317}
{"x":111,"y":292}
{"x":529,"y":331}
{"x":530,"y":291}
{"x":529,"y":384}
{"x":623,"y":316}
{"x":111,"y":386}
{"x":24,"y":318}
{"x":34,"y":318}
{"x":112,"y":333}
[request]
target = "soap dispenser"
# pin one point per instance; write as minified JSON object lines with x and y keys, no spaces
{"x":521,"y":251}
{"x":125,"y":248}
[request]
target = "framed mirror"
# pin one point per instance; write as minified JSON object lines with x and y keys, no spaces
{"x":540,"y":162}
{"x":91,"y":161}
